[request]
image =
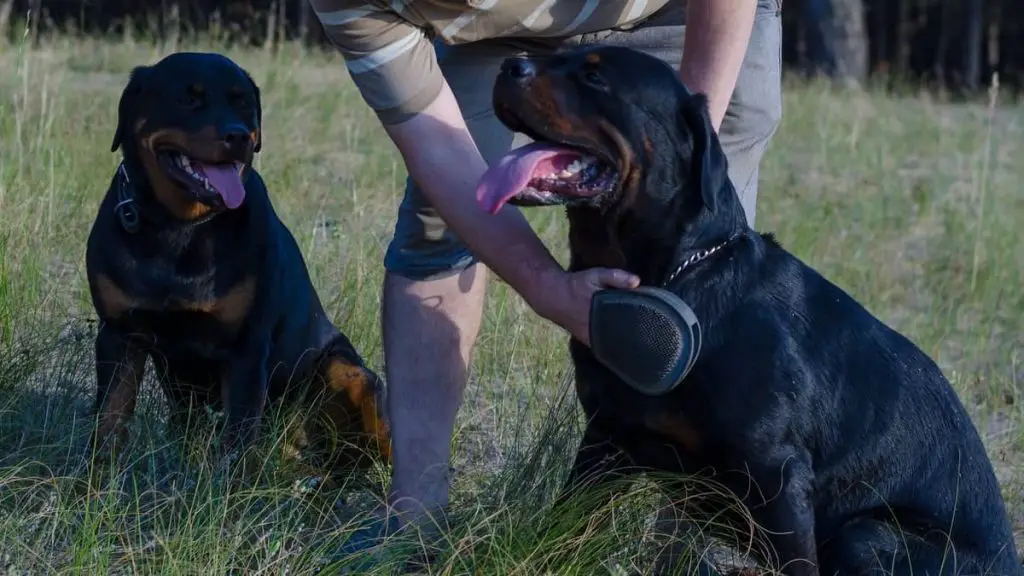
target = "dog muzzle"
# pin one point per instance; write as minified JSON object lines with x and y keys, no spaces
{"x":646,"y":336}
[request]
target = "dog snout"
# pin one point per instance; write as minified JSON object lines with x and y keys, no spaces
{"x":520,"y":69}
{"x":236,"y":136}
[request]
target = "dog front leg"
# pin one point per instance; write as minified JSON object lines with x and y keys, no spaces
{"x":787,"y":514}
{"x":598,"y":461}
{"x":244,"y":391}
{"x":351,"y":406}
{"x":120,"y":367}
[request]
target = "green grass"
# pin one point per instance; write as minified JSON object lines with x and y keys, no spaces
{"x":912,"y":205}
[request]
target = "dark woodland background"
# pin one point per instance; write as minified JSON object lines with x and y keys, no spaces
{"x":955,"y":45}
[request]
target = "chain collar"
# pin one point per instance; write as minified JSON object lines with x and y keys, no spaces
{"x":698,"y":257}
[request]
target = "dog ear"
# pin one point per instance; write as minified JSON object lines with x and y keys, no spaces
{"x":709,"y":162}
{"x":259,"y":113}
{"x":127,"y":106}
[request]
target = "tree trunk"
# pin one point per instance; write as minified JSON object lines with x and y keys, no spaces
{"x":973,"y":44}
{"x":837,"y":43}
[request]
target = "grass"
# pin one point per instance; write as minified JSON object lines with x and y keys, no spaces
{"x":912,"y":205}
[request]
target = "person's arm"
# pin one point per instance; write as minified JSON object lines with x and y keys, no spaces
{"x":395,"y":68}
{"x":716,"y":38}
{"x":440,"y":154}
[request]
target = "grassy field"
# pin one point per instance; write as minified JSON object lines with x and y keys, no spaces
{"x":912,"y":205}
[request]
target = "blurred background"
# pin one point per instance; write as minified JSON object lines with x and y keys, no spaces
{"x":951,"y":45}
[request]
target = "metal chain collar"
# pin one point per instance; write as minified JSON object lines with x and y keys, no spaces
{"x":694,"y":258}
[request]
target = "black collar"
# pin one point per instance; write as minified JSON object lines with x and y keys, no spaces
{"x":127,"y":209}
{"x":129,"y":213}
{"x":698,"y":256}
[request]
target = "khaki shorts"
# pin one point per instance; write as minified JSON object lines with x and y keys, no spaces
{"x":424,"y":248}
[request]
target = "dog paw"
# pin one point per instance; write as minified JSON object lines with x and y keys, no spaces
{"x":353,"y":402}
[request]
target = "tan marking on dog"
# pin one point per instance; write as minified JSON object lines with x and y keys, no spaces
{"x":172,"y":196}
{"x":118,"y":405}
{"x":593,"y":58}
{"x":677,"y":429}
{"x":541,"y":95}
{"x":230,"y":309}
{"x":648,"y":146}
{"x":358,"y":389}
{"x":112,"y":299}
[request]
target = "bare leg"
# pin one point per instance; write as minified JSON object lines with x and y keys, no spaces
{"x":433,"y":303}
{"x":429,"y":329}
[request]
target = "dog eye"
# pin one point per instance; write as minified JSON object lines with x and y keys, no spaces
{"x":237,"y":97}
{"x":189,"y":101}
{"x":241,"y":103}
{"x":594,"y":79}
{"x":193,"y":97}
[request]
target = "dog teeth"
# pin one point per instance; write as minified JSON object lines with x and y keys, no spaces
{"x":571,"y":169}
{"x":577,"y":165}
{"x":186,"y":164}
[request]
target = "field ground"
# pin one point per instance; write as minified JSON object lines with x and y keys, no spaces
{"x":912,"y":205}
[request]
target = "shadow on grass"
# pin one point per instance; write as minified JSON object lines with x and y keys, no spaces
{"x":163,"y":508}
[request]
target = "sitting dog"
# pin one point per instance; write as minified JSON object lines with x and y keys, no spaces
{"x":189,"y":265}
{"x":844,"y":440}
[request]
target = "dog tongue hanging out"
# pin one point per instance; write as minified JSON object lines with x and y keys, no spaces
{"x":207,"y":180}
{"x":226,"y":180}
{"x":540,"y":174}
{"x":187,"y":149}
{"x":189,"y":264}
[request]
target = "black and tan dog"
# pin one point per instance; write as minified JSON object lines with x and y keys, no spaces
{"x":189,"y":265}
{"x":845,"y":441}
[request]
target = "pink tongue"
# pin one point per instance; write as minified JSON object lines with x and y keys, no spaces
{"x":226,"y":180}
{"x":510,"y":174}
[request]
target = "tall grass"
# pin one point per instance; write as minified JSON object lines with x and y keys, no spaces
{"x":912,"y":205}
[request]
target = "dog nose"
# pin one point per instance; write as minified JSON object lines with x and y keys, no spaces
{"x":236,"y":136}
{"x":519,"y":68}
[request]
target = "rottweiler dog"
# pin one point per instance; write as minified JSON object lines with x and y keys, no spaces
{"x":843,"y":439}
{"x":189,"y":265}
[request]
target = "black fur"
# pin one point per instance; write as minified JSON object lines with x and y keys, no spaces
{"x":222,"y":302}
{"x":831,"y":426}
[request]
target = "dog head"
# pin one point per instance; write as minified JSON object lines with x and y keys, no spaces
{"x":616,"y":137}
{"x":190,"y":125}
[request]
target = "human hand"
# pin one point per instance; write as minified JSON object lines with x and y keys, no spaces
{"x":566,"y":297}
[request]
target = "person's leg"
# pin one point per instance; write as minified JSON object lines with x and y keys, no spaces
{"x":432,"y":306}
{"x":755,"y":110}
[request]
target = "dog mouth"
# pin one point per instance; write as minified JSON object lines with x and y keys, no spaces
{"x":543,"y":174}
{"x":217,"y":184}
{"x":569,"y":167}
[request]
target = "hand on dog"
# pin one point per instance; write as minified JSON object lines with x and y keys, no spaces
{"x":567,"y":298}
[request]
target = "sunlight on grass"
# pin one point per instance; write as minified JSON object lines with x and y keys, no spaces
{"x":912,"y":205}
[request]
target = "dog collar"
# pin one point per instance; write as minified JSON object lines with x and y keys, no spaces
{"x":127,"y":207}
{"x":648,"y":336}
{"x":698,"y":257}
